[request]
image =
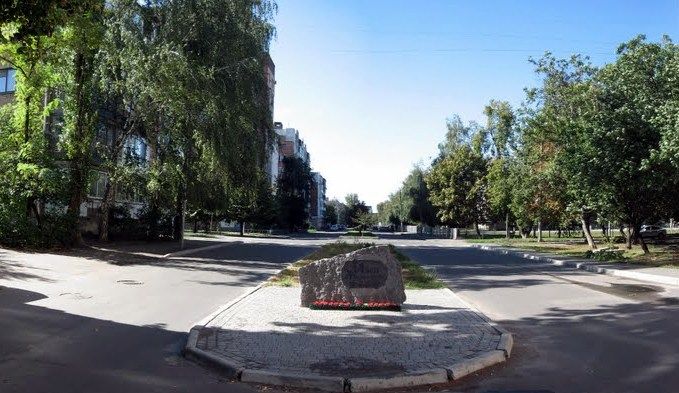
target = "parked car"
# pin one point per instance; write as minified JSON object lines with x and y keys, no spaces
{"x":652,"y":232}
{"x":334,"y":227}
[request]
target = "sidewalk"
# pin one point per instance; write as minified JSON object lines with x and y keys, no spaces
{"x":658,"y":275}
{"x":266,"y":337}
{"x":125,"y":252}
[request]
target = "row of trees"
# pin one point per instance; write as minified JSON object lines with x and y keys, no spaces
{"x":589,"y":144}
{"x":95,"y":77}
{"x":353,"y":212}
{"x":410,"y":204}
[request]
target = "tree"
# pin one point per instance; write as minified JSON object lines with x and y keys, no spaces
{"x":564,"y":120}
{"x":34,"y":18}
{"x":330,"y":214}
{"x":340,"y":210}
{"x":255,"y":205}
{"x":499,"y":190}
{"x":499,"y":142}
{"x":457,"y":187}
{"x":401,"y":204}
{"x":365,"y":220}
{"x":630,"y":93}
{"x":211,"y":88}
{"x":293,"y":194}
{"x":30,"y":179}
{"x":457,"y":134}
{"x":355,"y":207}
{"x":500,"y":129}
{"x":421,"y":210}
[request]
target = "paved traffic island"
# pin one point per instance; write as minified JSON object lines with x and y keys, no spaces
{"x":267,"y":337}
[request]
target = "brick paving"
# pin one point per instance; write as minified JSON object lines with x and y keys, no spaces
{"x":268,"y":330}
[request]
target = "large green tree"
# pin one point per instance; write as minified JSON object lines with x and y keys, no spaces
{"x":501,"y":138}
{"x":457,"y":187}
{"x":294,"y":193}
{"x":630,"y":93}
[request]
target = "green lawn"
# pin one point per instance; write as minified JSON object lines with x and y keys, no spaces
{"x":414,"y":275}
{"x":661,"y":254}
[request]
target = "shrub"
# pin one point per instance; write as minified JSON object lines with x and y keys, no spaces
{"x":605,"y":254}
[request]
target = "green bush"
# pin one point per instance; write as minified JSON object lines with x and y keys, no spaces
{"x":605,"y":255}
{"x":18,"y":231}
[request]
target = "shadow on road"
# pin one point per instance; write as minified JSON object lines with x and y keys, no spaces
{"x":45,"y":350}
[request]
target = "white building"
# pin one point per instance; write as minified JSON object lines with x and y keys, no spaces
{"x":291,"y":144}
{"x":317,"y":208}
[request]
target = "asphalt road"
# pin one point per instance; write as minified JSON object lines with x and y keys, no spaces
{"x":574,"y":331}
{"x":71,"y":324}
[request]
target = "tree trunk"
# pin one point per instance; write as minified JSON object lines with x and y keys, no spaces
{"x":584,"y":220}
{"x":38,"y":217}
{"x":476,"y":227}
{"x":178,"y":230}
{"x":242,"y":228}
{"x":628,"y":236}
{"x":539,"y":231}
{"x":79,"y":158}
{"x":105,"y":209}
{"x":507,"y":225}
{"x":640,"y":239}
{"x":195,"y":224}
{"x":27,"y":138}
{"x":180,"y":206}
{"x":153,"y":220}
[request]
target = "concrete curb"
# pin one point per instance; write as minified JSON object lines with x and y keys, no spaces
{"x":586,"y":266}
{"x":414,"y":378}
{"x":232,"y":370}
{"x":506,"y":340}
{"x":266,"y":377}
{"x":465,"y":367}
{"x":434,"y":376}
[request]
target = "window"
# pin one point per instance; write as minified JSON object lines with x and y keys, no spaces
{"x":7,"y":80}
{"x":99,"y":186}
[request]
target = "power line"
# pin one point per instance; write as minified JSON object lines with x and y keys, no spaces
{"x":461,"y":50}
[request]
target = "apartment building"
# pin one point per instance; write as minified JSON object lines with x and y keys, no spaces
{"x":291,"y":145}
{"x":317,"y":208}
{"x":7,"y":84}
{"x":135,"y":147}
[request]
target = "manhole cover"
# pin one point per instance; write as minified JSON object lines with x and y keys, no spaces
{"x":76,"y":295}
{"x":130,"y":282}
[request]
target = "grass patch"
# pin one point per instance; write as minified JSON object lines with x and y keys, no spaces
{"x":414,"y":275}
{"x":289,"y":277}
{"x":666,"y":255}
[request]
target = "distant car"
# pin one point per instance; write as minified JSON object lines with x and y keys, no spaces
{"x":334,"y":227}
{"x":652,"y":232}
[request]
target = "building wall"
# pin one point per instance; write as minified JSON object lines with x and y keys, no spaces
{"x":293,"y":145}
{"x":274,"y":163}
{"x":6,"y":98}
{"x":270,"y":75}
{"x":89,"y":209}
{"x":317,"y":208}
{"x":7,"y":84}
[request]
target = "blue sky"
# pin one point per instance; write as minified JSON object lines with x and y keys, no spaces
{"x":370,"y":83}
